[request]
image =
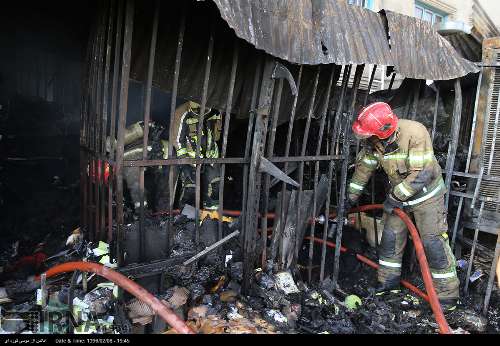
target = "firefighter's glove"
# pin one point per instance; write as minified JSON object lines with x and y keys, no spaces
{"x":392,"y":202}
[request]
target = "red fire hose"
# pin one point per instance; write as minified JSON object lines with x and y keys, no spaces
{"x":373,"y":265}
{"x":432,"y":297}
{"x":180,"y":326}
{"x":128,"y":285}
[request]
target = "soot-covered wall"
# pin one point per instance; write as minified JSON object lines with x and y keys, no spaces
{"x":42,"y":57}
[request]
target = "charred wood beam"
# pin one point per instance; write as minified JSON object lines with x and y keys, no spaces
{"x":267,"y":177}
{"x":254,"y":177}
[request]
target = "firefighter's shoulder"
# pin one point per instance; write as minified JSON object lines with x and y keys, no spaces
{"x":411,"y":126}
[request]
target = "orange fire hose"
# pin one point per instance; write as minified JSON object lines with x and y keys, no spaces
{"x":180,"y":325}
{"x":128,"y":285}
{"x":444,"y":328}
{"x":373,"y":265}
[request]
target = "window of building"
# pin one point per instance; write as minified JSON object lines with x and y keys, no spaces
{"x":429,"y":14}
{"x":363,"y":3}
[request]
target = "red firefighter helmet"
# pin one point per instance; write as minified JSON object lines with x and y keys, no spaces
{"x":376,"y":119}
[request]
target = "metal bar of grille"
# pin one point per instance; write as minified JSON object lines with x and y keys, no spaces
{"x":276,"y":235}
{"x":105,"y":111}
{"x":98,"y":123}
{"x":124,"y":84}
{"x":434,"y":119}
{"x":147,"y":116}
{"x":343,"y":182}
{"x":491,"y":278}
{"x":455,"y":129}
{"x":301,"y":164}
{"x":334,"y":75}
{"x":227,"y":160}
{"x":114,"y":102}
{"x":201,"y":119}
{"x":227,"y":120}
{"x":173,"y":102}
{"x":338,"y":114}
{"x":472,"y":252}
{"x":251,"y":119}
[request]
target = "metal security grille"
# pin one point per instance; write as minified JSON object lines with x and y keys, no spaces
{"x":264,"y":92}
{"x":187,"y":50}
{"x":491,"y":143}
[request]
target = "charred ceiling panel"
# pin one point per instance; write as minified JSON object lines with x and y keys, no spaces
{"x":419,"y":52}
{"x":310,"y":32}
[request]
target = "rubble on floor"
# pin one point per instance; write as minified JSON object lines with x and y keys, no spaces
{"x":207,"y":295}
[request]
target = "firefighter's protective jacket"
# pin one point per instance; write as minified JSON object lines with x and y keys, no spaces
{"x":186,"y":136}
{"x":412,"y":169}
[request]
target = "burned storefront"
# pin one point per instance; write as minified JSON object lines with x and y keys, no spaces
{"x":215,"y":150}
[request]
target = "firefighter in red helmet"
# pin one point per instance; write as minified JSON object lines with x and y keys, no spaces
{"x":403,"y":148}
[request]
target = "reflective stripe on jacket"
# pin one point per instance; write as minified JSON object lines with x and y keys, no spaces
{"x":413,"y":171}
{"x":186,"y":136}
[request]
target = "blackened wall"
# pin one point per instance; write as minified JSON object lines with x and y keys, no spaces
{"x":42,"y":47}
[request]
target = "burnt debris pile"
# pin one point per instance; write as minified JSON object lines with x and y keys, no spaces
{"x":202,"y":285}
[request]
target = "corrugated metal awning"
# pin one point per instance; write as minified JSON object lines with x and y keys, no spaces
{"x":419,"y":52}
{"x":331,"y":31}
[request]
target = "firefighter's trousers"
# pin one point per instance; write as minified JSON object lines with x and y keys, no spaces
{"x":431,"y":223}
{"x":210,"y":181}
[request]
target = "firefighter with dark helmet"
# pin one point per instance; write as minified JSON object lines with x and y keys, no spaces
{"x":186,"y":141}
{"x":403,"y":148}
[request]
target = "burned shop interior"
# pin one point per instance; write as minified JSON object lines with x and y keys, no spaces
{"x":176,"y":167}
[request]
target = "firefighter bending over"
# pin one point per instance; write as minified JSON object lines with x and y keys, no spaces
{"x":186,"y":141}
{"x":403,"y":148}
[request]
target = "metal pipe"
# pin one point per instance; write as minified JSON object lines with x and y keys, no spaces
{"x":211,"y":247}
